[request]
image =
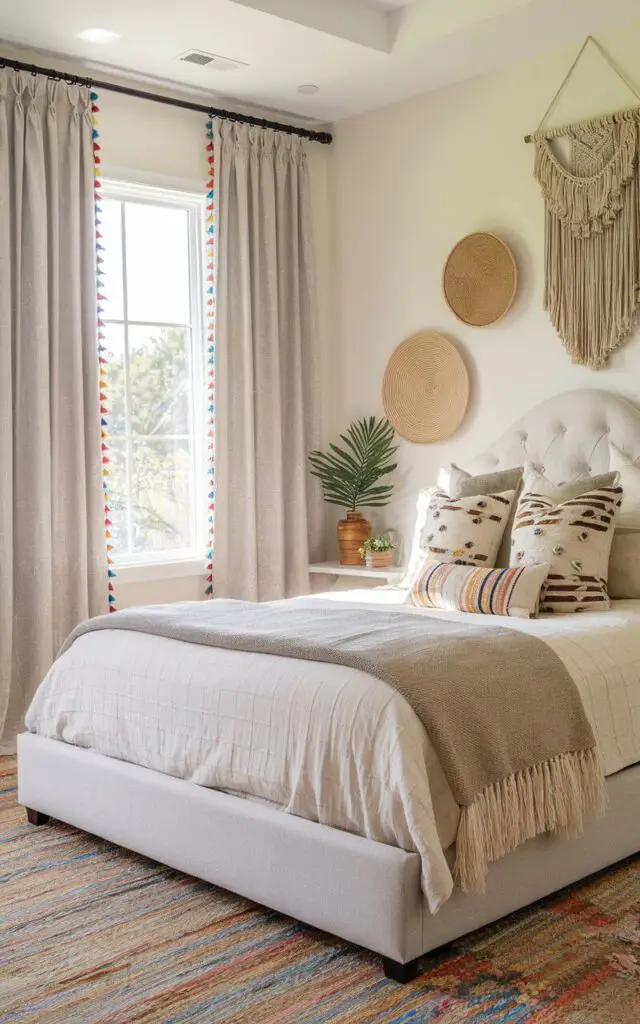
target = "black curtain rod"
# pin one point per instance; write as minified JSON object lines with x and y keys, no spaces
{"x":228,"y":115}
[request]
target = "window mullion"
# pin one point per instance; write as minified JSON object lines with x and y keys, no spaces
{"x":127,"y":384}
{"x":196,"y":352}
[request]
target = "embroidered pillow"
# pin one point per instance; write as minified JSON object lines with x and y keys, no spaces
{"x":464,"y":530}
{"x":575,"y":539}
{"x":514,"y":592}
{"x":463,"y":484}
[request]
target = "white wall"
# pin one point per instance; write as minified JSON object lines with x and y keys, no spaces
{"x":407,"y":183}
{"x":149,"y":142}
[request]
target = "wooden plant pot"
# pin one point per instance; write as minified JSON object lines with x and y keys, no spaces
{"x":379,"y":559}
{"x":352,"y":533}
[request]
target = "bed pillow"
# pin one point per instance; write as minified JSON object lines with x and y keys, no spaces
{"x":629,"y":471}
{"x":575,"y":538}
{"x":463,"y":588}
{"x":464,"y":485}
{"x":535,"y":482}
{"x":624,"y":564}
{"x":463,"y":530}
{"x":460,"y":484}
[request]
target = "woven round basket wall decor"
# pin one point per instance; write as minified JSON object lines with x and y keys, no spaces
{"x":425,"y":389}
{"x":480,"y":279}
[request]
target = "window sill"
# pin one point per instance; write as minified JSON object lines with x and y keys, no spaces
{"x":144,"y":572}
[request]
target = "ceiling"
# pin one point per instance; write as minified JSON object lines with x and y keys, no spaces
{"x":362,"y":54}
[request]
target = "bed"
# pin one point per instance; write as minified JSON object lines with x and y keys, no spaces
{"x":370,"y":891}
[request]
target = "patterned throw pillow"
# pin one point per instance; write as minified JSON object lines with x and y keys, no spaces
{"x":463,"y":484}
{"x":462,"y":588}
{"x":575,"y":539}
{"x":464,"y":530}
{"x":459,"y":484}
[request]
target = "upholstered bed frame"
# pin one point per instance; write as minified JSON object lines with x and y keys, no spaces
{"x":366,"y":892}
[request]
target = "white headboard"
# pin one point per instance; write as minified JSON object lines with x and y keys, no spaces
{"x":567,"y":436}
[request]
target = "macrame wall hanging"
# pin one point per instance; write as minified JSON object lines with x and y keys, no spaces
{"x":592,"y":227}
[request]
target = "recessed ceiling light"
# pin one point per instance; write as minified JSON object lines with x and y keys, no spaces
{"x":308,"y":90}
{"x":98,"y":35}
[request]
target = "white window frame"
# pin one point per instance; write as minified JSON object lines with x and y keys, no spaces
{"x":132,"y":568}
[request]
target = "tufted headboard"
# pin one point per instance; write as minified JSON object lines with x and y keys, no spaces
{"x":567,"y":436}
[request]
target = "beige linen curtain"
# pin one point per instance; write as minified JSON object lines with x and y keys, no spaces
{"x":52,"y":548}
{"x":268,"y":511}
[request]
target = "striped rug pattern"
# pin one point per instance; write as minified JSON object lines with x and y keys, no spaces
{"x":91,"y":933}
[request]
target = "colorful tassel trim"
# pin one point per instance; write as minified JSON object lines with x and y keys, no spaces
{"x":102,"y":358}
{"x":211,"y":357}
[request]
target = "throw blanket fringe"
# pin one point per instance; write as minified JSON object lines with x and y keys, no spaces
{"x":554,"y":796}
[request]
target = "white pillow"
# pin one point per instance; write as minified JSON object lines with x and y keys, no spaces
{"x":575,"y":538}
{"x":460,"y":484}
{"x":535,"y":482}
{"x":629,"y":471}
{"x":416,"y":556}
{"x":624,"y":564}
{"x":463,"y":530}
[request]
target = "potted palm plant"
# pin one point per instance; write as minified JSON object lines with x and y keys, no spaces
{"x":350,"y":476}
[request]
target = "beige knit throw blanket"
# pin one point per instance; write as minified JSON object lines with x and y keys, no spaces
{"x":592,"y":236}
{"x":501,"y":710}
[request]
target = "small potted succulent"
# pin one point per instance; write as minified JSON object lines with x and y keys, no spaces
{"x":378,"y":552}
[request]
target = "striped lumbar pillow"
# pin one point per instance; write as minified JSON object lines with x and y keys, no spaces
{"x":514,"y":592}
{"x":575,"y":539}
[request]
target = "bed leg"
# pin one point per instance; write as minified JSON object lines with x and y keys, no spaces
{"x":402,"y":973}
{"x":36,"y":817}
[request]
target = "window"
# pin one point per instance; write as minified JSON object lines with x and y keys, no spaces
{"x":153,"y":315}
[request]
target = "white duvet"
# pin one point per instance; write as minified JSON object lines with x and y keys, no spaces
{"x":324,"y":742}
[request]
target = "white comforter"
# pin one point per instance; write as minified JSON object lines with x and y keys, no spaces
{"x":321,"y":741}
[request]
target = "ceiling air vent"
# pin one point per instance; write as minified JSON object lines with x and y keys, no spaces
{"x":213,"y":61}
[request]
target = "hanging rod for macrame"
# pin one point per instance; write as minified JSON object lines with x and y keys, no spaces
{"x":227,"y":115}
{"x":556,"y":133}
{"x":620,"y":115}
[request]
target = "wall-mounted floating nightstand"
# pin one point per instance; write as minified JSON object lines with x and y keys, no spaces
{"x":393,"y":574}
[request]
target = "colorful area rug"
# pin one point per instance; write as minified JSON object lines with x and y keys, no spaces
{"x":91,"y":933}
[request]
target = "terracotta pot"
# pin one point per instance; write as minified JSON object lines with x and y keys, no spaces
{"x":379,"y":559}
{"x":352,"y":533}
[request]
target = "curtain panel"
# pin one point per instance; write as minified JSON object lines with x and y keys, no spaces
{"x":52,"y":546}
{"x":268,"y":517}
